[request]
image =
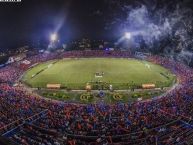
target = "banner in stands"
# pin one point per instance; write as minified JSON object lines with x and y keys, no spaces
{"x":26,"y":62}
{"x":16,"y":58}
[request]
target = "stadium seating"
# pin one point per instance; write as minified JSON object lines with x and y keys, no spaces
{"x":26,"y":118}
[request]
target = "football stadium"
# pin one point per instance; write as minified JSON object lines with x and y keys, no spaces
{"x":119,"y":74}
{"x":68,"y":79}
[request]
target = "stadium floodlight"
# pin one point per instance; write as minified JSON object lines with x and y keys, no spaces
{"x":53,"y":37}
{"x":128,"y":35}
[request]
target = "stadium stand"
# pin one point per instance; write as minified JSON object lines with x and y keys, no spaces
{"x":28,"y":119}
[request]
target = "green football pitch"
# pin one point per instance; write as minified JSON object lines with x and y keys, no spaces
{"x":76,"y":73}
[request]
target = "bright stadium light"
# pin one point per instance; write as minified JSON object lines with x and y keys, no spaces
{"x":128,"y":35}
{"x":53,"y":37}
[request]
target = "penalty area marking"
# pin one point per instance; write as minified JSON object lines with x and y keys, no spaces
{"x":49,"y":66}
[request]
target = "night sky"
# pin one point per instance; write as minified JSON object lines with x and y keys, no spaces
{"x":33,"y":21}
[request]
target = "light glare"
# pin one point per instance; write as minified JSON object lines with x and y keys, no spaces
{"x":128,"y":35}
{"x":53,"y":37}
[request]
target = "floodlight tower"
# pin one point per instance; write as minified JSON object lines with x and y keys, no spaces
{"x":127,"y":35}
{"x":53,"y":37}
{"x":53,"y":41}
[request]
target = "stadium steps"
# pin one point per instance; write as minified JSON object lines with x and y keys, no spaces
{"x":169,"y":132}
{"x":35,"y":135}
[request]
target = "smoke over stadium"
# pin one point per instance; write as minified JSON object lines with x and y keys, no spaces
{"x":158,"y":27}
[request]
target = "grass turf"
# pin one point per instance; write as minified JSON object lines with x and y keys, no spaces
{"x":121,"y":73}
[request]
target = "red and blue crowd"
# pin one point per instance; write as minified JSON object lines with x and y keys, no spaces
{"x":28,"y":119}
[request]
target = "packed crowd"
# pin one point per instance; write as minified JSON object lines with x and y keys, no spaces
{"x":162,"y":120}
